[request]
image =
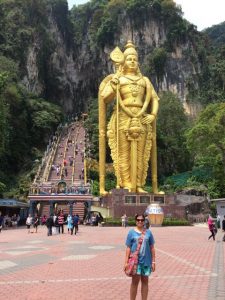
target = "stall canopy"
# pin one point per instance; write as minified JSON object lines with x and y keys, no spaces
{"x":13,"y":203}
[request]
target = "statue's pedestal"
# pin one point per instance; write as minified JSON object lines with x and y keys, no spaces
{"x":120,"y":201}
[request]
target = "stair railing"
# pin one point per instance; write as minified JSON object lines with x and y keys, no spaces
{"x":52,"y":157}
{"x":74,"y":153}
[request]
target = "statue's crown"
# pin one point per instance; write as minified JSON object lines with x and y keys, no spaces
{"x":130,"y":49}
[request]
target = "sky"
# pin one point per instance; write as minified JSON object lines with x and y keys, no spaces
{"x":202,"y":13}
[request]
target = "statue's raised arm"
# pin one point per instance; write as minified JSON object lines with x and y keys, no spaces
{"x":131,"y":129}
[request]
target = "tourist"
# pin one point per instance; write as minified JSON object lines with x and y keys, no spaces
{"x":57,"y":170}
{"x":147,"y":223}
{"x":61,"y":222}
{"x":66,"y":172}
{"x":124,"y":220}
{"x":71,"y":161}
{"x":223,"y":227}
{"x":36,"y":222}
{"x":43,"y":220}
{"x":93,"y":219}
{"x":211,"y":227}
{"x":14,"y":220}
{"x":218,"y":221}
{"x":70,"y":224}
{"x":97,"y":219}
{"x":1,"y":221}
{"x":18,"y":220}
{"x":55,"y":228}
{"x":29,"y":222}
{"x":49,"y":224}
{"x":76,"y":221}
{"x":7,"y":221}
{"x":146,"y":256}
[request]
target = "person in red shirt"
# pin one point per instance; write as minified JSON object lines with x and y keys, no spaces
{"x":61,"y":222}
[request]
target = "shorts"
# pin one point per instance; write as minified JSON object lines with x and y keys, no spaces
{"x":143,"y":270}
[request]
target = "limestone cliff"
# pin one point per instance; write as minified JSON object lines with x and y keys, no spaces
{"x":73,"y":69}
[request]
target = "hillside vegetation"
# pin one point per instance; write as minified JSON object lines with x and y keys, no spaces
{"x":29,"y":115}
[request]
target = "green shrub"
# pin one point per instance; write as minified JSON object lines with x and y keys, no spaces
{"x":175,"y":222}
{"x":117,"y":222}
{"x":131,"y":222}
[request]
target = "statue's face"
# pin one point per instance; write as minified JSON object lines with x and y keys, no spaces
{"x":131,"y":62}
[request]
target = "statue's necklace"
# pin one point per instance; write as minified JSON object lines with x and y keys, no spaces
{"x":133,"y":86}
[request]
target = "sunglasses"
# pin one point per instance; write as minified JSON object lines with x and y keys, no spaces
{"x":140,"y":220}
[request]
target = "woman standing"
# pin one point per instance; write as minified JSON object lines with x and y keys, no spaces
{"x":146,"y":256}
{"x":70,"y":224}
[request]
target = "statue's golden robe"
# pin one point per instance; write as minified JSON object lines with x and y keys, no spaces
{"x":131,"y":140}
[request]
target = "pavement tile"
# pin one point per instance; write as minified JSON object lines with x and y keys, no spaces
{"x":89,"y":265}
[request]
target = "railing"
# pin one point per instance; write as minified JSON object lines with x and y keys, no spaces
{"x":46,"y":156}
{"x":47,"y":162}
{"x":74,"y":153}
{"x":53,"y":190}
{"x":52,"y":157}
{"x":65,"y":150}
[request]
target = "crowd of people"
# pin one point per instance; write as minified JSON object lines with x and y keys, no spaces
{"x":9,"y":221}
{"x":54,"y":223}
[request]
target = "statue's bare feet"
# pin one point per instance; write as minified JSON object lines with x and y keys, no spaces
{"x":103,"y":193}
{"x":141,"y":190}
{"x":127,"y":188}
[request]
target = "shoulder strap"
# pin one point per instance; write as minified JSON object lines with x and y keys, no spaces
{"x":141,"y":238}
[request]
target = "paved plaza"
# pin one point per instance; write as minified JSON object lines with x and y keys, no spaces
{"x":89,"y":265}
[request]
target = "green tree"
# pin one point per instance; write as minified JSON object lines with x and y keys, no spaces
{"x":3,"y":115}
{"x":206,"y":141}
{"x":172,"y":122}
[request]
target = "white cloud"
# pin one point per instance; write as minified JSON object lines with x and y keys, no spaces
{"x":203,"y":13}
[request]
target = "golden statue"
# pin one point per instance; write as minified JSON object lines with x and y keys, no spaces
{"x":131,"y":130}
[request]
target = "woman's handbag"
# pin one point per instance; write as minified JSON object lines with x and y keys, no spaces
{"x":131,"y":268}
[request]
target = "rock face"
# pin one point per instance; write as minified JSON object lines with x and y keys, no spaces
{"x":72,"y":73}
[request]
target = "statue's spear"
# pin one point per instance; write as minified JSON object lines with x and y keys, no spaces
{"x":117,"y":57}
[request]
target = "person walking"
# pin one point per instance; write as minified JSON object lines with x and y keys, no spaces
{"x":29,"y":222}
{"x":76,"y":220}
{"x":142,"y":238}
{"x":57,"y":170}
{"x":36,"y":222}
{"x":49,"y":224}
{"x":211,"y":228}
{"x":61,"y":222}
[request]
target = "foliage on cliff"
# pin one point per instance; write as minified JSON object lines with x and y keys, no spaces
{"x":206,"y":141}
{"x":27,"y":120}
{"x":217,"y":34}
{"x":101,"y":19}
{"x":26,"y":123}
